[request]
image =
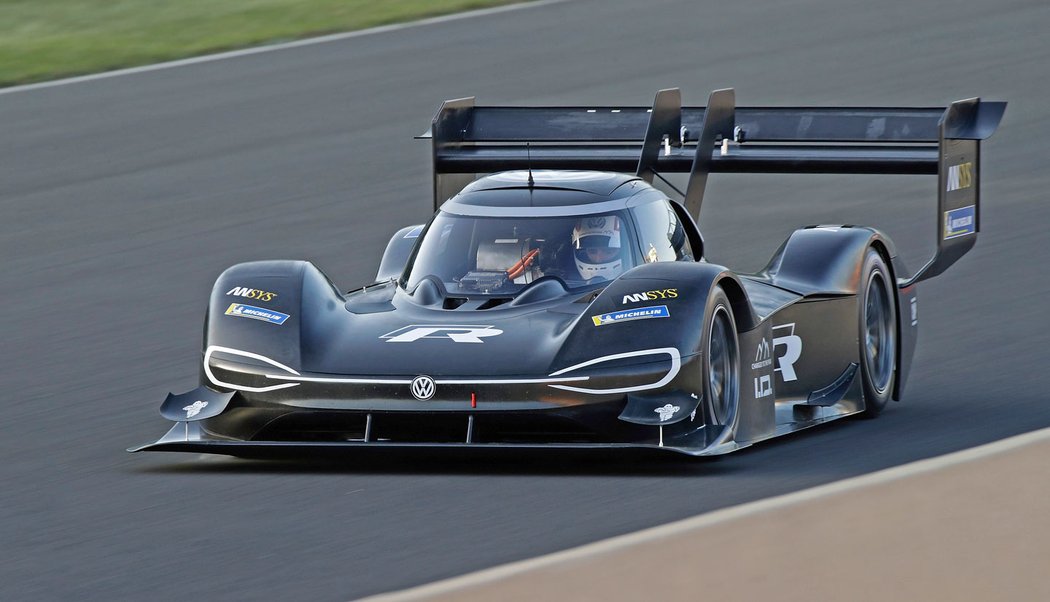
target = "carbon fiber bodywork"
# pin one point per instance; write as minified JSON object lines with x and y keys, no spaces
{"x":291,"y":363}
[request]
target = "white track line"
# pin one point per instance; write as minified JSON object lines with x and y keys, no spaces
{"x":207,"y":58}
{"x":712,"y":518}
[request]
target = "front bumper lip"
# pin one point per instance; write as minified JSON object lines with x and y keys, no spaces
{"x":180,"y":442}
{"x":577,"y":407}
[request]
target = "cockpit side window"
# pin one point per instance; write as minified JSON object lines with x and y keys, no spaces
{"x":662,"y":236}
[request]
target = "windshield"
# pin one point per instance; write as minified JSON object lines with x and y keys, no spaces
{"x":502,"y":255}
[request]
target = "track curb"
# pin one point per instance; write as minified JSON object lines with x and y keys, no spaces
{"x":451,"y":586}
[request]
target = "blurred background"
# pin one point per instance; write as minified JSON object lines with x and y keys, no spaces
{"x":125,"y":196}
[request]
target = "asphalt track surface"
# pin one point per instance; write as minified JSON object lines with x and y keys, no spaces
{"x":123,"y":198}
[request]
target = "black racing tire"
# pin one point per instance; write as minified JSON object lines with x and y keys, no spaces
{"x":878,"y":333}
{"x":720,"y":349}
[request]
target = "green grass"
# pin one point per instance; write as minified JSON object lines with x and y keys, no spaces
{"x":47,"y":39}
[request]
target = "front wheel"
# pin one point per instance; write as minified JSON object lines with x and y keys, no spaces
{"x":721,"y":360}
{"x":878,"y":334}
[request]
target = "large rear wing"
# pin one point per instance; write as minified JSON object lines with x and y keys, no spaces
{"x":722,"y":138}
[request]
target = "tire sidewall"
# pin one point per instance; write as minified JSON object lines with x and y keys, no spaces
{"x":717,"y":302}
{"x":875,"y":266}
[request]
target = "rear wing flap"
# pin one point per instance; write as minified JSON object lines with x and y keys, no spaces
{"x":723,"y":138}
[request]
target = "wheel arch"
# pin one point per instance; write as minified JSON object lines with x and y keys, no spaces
{"x":742,"y":313}
{"x":823,"y":260}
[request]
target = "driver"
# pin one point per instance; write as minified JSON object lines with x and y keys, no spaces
{"x":596,"y":247}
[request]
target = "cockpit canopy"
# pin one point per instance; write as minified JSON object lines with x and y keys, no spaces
{"x":501,"y":255}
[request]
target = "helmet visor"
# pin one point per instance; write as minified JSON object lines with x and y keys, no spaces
{"x":596,"y":250}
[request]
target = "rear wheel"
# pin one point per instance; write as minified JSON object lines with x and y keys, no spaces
{"x":878,"y":334}
{"x":721,"y":360}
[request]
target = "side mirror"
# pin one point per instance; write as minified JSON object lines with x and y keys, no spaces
{"x":397,"y":252}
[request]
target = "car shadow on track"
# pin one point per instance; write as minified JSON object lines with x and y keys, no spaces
{"x":456,"y":462}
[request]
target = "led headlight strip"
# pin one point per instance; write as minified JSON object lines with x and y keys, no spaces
{"x":672,"y":352}
{"x":553,"y":380}
{"x":255,"y":356}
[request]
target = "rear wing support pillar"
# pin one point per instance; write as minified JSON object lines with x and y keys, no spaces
{"x":665,"y":131}
{"x":719,"y":120}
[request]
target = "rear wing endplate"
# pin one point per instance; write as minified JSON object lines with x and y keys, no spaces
{"x":722,"y":138}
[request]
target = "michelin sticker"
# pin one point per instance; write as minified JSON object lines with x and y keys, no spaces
{"x":960,"y":222}
{"x":627,"y":315}
{"x":240,"y":310}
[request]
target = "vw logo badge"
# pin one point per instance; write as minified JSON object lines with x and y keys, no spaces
{"x":423,"y":387}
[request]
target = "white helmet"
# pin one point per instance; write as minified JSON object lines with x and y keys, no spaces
{"x":596,"y":247}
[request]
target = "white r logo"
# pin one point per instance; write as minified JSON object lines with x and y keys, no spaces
{"x":459,"y":334}
{"x":786,"y":362}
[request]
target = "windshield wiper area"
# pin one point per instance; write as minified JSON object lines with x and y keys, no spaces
{"x":483,"y":281}
{"x":541,"y":289}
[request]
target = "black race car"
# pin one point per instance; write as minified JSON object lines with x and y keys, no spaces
{"x":560,"y":302}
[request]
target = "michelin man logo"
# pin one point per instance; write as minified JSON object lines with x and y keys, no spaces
{"x":666,"y":412}
{"x":195,"y":408}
